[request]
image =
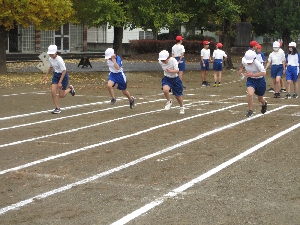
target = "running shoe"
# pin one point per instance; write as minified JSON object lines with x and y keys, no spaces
{"x":204,"y":83}
{"x":271,"y":90}
{"x":112,"y":101}
{"x":288,"y":96}
{"x":181,"y":110}
{"x":168,"y":105}
{"x":249,"y":113}
{"x":283,"y":90}
{"x":264,"y":107}
{"x":215,"y":85}
{"x":295,"y":95}
{"x":72,"y":90}
{"x":131,"y":103}
{"x":56,"y":111}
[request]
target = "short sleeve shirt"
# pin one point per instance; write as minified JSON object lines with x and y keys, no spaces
{"x":172,"y":64}
{"x":57,"y":64}
{"x":205,"y":53}
{"x":177,"y":50}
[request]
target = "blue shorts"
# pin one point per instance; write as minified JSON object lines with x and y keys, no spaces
{"x":292,"y":73}
{"x":181,"y":65}
{"x":56,"y":78}
{"x":276,"y":71}
{"x":174,"y":83}
{"x":206,"y":62}
{"x":118,"y":78}
{"x":218,"y":65}
{"x":259,"y":85}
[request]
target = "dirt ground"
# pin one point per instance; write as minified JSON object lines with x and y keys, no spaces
{"x":100,"y":164}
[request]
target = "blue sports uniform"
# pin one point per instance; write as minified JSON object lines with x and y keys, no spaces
{"x":117,"y":76}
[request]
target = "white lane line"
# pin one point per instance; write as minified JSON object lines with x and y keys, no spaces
{"x":112,"y":140}
{"x":197,"y":180}
{"x":124,"y":166}
{"x":85,"y":127}
{"x":25,"y":93}
{"x":65,"y":108}
{"x":75,"y":115}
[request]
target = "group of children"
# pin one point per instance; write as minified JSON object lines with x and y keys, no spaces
{"x":173,"y":67}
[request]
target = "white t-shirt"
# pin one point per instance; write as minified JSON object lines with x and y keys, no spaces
{"x":254,"y":67}
{"x":172,"y":64}
{"x":205,"y":53}
{"x":57,"y":64}
{"x":276,"y":58}
{"x":177,"y":50}
{"x":292,"y":60}
{"x":112,"y":67}
{"x":219,"y":54}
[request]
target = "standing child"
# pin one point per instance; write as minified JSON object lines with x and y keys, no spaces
{"x":60,"y":77}
{"x":178,"y":53}
{"x":256,"y":83}
{"x":260,"y":56}
{"x":292,"y":69}
{"x":116,"y":76}
{"x":171,"y":79}
{"x":277,"y":59}
{"x":218,"y":57}
{"x":204,"y":62}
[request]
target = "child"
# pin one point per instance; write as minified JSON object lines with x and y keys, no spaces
{"x":260,"y":56}
{"x":277,"y":59}
{"x":60,"y":77}
{"x":218,"y":57}
{"x":116,"y":76}
{"x":171,"y":79}
{"x":178,"y":53}
{"x":204,"y":62}
{"x":292,"y":67}
{"x":256,"y":83}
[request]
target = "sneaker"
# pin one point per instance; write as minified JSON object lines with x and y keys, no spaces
{"x":132,"y":103}
{"x":181,"y":110}
{"x":72,"y":90}
{"x":288,"y":96}
{"x":168,"y":105}
{"x":112,"y":101}
{"x":264,"y":108}
{"x":249,"y":113}
{"x":283,"y":90}
{"x":56,"y":111}
{"x":271,"y":90}
{"x":215,"y":85}
{"x":204,"y":83}
{"x":295,"y":95}
{"x":277,"y":95}
{"x":207,"y":84}
{"x":219,"y":84}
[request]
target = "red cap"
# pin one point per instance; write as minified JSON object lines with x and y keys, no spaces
{"x":219,"y":45}
{"x":253,"y":43}
{"x":179,"y":38}
{"x":205,"y":42}
{"x":258,"y":46}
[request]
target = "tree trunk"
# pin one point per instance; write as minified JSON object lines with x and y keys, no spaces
{"x":3,"y":37}
{"x":286,"y":38}
{"x":227,"y":43}
{"x":154,"y":33}
{"x":118,"y":37}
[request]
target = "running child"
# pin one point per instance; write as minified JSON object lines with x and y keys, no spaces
{"x":60,"y":77}
{"x":255,"y":83}
{"x":116,"y":76}
{"x":171,"y":79}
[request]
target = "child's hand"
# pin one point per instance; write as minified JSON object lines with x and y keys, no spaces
{"x":44,"y":79}
{"x":168,"y":70}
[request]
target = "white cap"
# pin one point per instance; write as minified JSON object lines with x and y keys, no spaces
{"x":109,"y":52}
{"x":52,"y":49}
{"x":163,"y":55}
{"x":250,"y":55}
{"x":293,"y":44}
{"x":276,"y":44}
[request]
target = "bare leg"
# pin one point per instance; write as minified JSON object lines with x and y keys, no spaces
{"x":110,"y":88}
{"x":180,"y":100}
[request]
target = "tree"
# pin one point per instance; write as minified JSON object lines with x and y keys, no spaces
{"x":42,"y":14}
